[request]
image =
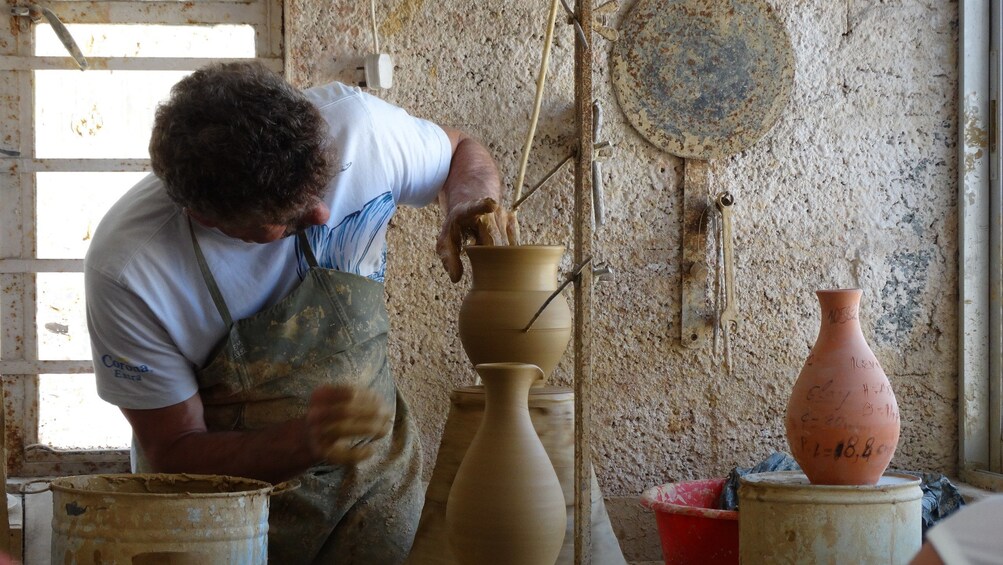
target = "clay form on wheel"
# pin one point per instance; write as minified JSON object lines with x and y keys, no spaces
{"x":506,"y":504}
{"x":510,"y":284}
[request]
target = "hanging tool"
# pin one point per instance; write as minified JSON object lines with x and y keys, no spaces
{"x":728,"y":318}
{"x":600,"y":152}
{"x":702,"y":80}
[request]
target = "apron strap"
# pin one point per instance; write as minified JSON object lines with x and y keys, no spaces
{"x":304,"y":244}
{"x":210,"y":281}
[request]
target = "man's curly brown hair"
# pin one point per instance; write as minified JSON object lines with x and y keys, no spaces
{"x":237,"y":144}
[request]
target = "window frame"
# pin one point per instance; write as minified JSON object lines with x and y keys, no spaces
{"x":980,"y":186}
{"x":19,"y":363}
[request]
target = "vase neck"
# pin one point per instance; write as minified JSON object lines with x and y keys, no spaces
{"x":840,"y":315}
{"x":507,"y":388}
{"x":514,"y":267}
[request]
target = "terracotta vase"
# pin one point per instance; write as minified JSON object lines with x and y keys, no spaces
{"x":842,"y":417}
{"x":510,"y":284}
{"x":506,"y":504}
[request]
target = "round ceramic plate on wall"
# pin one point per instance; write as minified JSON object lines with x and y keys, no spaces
{"x":702,"y":79}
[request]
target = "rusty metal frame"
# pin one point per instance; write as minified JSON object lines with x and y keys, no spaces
{"x":980,"y":184}
{"x":19,"y":363}
{"x":697,"y":314}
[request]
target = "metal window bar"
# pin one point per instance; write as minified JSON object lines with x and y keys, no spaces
{"x":979,"y":181}
{"x":19,"y":363}
{"x":995,"y":249}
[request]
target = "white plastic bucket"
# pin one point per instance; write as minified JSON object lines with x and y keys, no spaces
{"x":782,"y":518}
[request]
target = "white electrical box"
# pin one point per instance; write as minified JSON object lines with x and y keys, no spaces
{"x":379,"y":71}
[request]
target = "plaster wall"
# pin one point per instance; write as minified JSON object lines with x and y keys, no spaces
{"x":854,"y":186}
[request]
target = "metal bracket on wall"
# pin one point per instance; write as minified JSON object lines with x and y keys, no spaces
{"x":697,"y":316}
{"x":602,"y":272}
{"x":36,"y":13}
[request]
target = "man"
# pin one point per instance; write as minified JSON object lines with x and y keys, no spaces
{"x":235,"y":304}
{"x":970,"y":536}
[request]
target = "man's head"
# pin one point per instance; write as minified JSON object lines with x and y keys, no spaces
{"x":240,"y":148}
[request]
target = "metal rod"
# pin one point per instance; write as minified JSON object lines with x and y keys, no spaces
{"x":571,"y":278}
{"x":549,"y":176}
{"x":578,"y":26}
{"x":541,"y":81}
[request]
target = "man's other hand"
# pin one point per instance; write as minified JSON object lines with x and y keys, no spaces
{"x":342,"y":421}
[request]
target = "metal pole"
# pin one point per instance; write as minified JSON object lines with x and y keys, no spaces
{"x":583,"y":283}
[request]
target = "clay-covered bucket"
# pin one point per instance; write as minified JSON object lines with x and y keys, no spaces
{"x":159,"y":518}
{"x":783,"y":518}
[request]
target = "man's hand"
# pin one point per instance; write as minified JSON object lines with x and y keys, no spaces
{"x":343,"y":420}
{"x":470,"y":201}
{"x":484,"y":221}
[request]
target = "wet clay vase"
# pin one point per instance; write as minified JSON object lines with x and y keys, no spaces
{"x":552,"y":411}
{"x":506,"y":504}
{"x":510,"y":284}
{"x":842,"y":418}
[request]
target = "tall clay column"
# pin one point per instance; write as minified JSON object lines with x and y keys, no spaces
{"x":506,"y":506}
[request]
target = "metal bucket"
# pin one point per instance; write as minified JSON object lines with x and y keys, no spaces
{"x":144,"y":519}
{"x":782,"y":518}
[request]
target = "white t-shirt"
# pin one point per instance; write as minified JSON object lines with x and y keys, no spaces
{"x":151,"y":318}
{"x":971,"y":536}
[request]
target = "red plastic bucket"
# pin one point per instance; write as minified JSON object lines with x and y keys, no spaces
{"x":692,"y":531}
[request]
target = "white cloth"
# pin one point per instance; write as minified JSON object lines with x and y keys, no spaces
{"x":151,"y":318}
{"x":971,"y":536}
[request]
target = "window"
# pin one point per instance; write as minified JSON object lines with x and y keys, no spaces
{"x":72,"y":143}
{"x":980,"y":229}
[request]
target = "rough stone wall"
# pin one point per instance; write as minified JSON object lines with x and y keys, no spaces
{"x":854,"y":186}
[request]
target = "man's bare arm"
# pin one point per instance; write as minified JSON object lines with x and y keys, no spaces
{"x":175,"y":439}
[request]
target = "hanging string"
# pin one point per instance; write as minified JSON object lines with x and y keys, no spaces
{"x":541,"y":79}
{"x":372,"y":14}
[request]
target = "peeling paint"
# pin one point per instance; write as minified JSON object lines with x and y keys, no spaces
{"x":975,"y":136}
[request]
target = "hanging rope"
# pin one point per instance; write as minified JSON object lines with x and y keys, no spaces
{"x":372,"y":15}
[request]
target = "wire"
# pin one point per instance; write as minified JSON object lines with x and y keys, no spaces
{"x":542,"y":78}
{"x":372,"y":14}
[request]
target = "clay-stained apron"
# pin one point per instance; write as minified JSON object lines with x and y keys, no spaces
{"x":331,"y":329}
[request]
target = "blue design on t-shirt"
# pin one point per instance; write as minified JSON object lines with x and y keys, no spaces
{"x":349,"y":246}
